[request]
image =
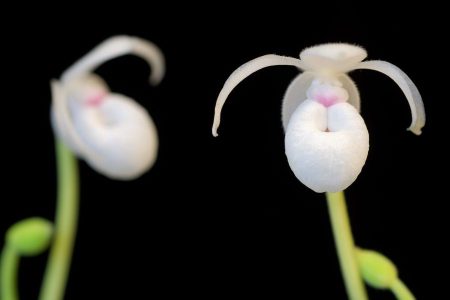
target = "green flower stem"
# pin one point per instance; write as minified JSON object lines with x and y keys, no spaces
{"x":8,"y":274}
{"x":345,"y":246}
{"x":60,"y":256}
{"x":401,"y":291}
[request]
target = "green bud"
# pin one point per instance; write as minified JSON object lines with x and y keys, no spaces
{"x":30,"y":237}
{"x":376,"y":269}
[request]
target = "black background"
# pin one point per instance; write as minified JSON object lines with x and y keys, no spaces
{"x":225,"y":216}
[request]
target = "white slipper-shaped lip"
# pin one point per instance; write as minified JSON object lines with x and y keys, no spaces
{"x":326,"y":148}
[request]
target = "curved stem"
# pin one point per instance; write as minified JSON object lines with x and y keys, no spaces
{"x":401,"y":291}
{"x":345,"y":246}
{"x":60,"y":256}
{"x":9,"y":264}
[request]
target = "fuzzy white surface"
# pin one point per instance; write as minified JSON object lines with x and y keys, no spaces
{"x":326,"y":148}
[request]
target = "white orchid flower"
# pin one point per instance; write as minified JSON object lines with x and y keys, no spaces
{"x":326,"y":139}
{"x":111,"y":132}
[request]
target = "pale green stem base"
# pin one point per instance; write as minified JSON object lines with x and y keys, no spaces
{"x":57,"y":271}
{"x":345,"y":246}
{"x":401,"y":291}
{"x":8,"y":274}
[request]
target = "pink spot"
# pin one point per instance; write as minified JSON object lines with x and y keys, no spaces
{"x":327,"y":100}
{"x":96,"y":99}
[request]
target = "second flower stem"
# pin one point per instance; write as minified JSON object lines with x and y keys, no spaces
{"x":60,"y":256}
{"x":9,"y":264}
{"x":345,"y":246}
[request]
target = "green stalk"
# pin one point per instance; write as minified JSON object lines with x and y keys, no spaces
{"x":401,"y":291}
{"x":345,"y":246}
{"x":60,"y":256}
{"x":8,"y":274}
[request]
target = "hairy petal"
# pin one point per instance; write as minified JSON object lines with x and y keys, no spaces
{"x":243,"y":72}
{"x":406,"y":85}
{"x":118,"y":46}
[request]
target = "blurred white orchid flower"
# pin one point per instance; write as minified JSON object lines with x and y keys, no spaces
{"x":111,"y":132}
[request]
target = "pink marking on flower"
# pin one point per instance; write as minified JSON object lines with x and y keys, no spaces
{"x":327,"y":100}
{"x":327,"y":94}
{"x":96,"y":99}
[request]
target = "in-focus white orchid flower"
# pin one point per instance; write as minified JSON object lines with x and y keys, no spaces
{"x":326,"y":139}
{"x":111,"y":132}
